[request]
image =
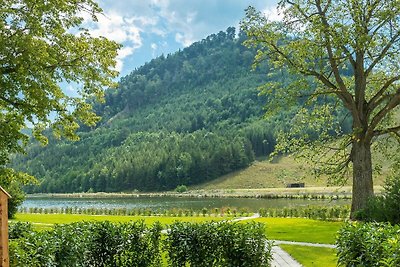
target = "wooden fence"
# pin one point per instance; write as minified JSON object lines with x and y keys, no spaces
{"x":4,"y":260}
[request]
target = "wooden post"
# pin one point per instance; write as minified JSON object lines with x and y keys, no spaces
{"x":4,"y":260}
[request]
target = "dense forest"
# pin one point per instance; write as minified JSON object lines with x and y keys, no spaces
{"x":180,"y":119}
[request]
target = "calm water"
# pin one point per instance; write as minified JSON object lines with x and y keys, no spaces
{"x":162,"y":203}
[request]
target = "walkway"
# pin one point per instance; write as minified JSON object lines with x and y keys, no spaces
{"x":281,"y":258}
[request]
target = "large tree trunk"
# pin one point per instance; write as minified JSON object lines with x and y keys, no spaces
{"x":362,"y":176}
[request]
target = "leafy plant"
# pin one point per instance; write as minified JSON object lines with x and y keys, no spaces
{"x":369,"y":244}
{"x":386,"y":207}
{"x":218,"y":244}
{"x":19,"y":229}
{"x":181,"y":189}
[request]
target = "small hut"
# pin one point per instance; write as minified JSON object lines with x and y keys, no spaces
{"x":4,"y":196}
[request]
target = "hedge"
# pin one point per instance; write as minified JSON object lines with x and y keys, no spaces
{"x":369,"y":244}
{"x":136,"y":244}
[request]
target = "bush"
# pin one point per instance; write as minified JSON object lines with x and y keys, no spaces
{"x":19,"y":229}
{"x":89,"y":244}
{"x":384,"y":208}
{"x":369,"y":244}
{"x":34,"y":249}
{"x":135,"y":244}
{"x":218,"y":244}
{"x":311,"y":212}
{"x":181,"y":189}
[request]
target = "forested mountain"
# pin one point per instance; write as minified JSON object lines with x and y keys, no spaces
{"x":184,"y":118}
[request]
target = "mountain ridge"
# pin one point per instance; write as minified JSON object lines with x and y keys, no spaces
{"x":184,"y":118}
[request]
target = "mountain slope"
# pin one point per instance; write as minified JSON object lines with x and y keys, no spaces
{"x":186,"y":118}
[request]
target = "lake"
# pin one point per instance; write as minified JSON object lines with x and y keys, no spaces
{"x":170,"y":202}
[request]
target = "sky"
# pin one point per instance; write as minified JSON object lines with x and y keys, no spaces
{"x":150,"y":28}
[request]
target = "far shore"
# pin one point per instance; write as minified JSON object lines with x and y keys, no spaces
{"x":304,"y":192}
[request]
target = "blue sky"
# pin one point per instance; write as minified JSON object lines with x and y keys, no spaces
{"x":150,"y":28}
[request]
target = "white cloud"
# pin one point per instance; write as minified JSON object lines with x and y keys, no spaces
{"x":126,"y":30}
{"x":117,"y":28}
{"x":273,"y":13}
{"x":122,"y":54}
{"x":154,"y":48}
{"x":185,"y":39}
{"x":152,"y":23}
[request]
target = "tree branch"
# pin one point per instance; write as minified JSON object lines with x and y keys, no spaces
{"x":7,"y":70}
{"x":383,"y":53}
{"x":375,"y":100}
{"x":395,"y":130}
{"x":345,"y":95}
{"x":394,"y":102}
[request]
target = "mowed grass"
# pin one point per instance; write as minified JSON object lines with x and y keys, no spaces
{"x":45,"y":221}
{"x":301,"y":230}
{"x":263,"y":173}
{"x":312,"y":256}
{"x":290,"y":229}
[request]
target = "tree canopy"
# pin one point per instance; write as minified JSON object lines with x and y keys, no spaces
{"x":44,"y":47}
{"x":345,"y":53}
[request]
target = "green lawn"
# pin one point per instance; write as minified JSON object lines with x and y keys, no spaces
{"x":291,"y":229}
{"x":45,"y":221}
{"x":312,"y":256}
{"x":301,"y":230}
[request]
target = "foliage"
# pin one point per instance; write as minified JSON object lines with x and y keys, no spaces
{"x":343,"y":53}
{"x":385,"y":207}
{"x":316,"y":213}
{"x":218,"y":244}
{"x":135,"y":244}
{"x":41,"y":49}
{"x":19,"y":229}
{"x":369,"y":244}
{"x":89,"y":244}
{"x":181,"y":189}
{"x":175,"y":212}
{"x":12,"y":181}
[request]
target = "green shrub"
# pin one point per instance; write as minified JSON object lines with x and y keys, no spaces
{"x":34,"y":249}
{"x":70,"y":241}
{"x":369,"y":244}
{"x":89,"y":244}
{"x":141,"y":245}
{"x":19,"y":229}
{"x":135,"y":244}
{"x":181,"y":189}
{"x":245,"y":245}
{"x":217,"y":244}
{"x":384,"y":208}
{"x":311,"y":212}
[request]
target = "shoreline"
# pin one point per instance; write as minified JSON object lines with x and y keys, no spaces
{"x":303,"y":192}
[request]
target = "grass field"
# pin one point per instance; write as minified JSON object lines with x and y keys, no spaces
{"x":301,"y":230}
{"x":290,"y":229}
{"x":312,"y":256}
{"x":45,"y":221}
{"x":265,"y":174}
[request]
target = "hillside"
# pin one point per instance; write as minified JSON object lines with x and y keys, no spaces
{"x":184,"y":118}
{"x":264,"y":174}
